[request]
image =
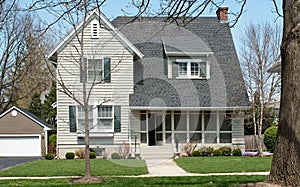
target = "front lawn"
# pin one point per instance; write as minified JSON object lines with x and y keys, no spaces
{"x":99,"y":167}
{"x":224,"y":164}
{"x":147,"y":181}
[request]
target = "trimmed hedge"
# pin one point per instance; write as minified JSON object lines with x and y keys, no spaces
{"x":70,"y":155}
{"x":49,"y":156}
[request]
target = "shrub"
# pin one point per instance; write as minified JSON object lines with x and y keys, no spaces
{"x":270,"y":138}
{"x":92,"y":155}
{"x":70,"y":155}
{"x":80,"y":153}
{"x":209,"y":151}
{"x":217,"y":152}
{"x":226,"y":151}
{"x":123,"y":150}
{"x":236,"y":152}
{"x":197,"y":153}
{"x":49,"y":156}
{"x":115,"y":156}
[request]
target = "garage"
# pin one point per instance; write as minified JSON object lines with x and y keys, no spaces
{"x":22,"y":134}
{"x":20,"y":146}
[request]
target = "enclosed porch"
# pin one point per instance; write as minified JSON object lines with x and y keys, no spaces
{"x":178,"y":127}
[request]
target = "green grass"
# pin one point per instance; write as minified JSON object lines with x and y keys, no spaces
{"x":150,"y":181}
{"x":224,"y":164}
{"x":99,"y":167}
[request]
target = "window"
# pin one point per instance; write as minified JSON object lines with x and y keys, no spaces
{"x":192,"y":68}
{"x":80,"y":112}
{"x":94,"y":70}
{"x":105,"y":117}
{"x":182,"y":69}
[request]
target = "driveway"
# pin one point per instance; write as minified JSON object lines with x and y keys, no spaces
{"x":8,"y":162}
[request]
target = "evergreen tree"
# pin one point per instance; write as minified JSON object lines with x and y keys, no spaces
{"x":48,"y":113}
{"x":35,"y":105}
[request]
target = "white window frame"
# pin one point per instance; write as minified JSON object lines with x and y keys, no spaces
{"x":95,"y":29}
{"x":189,"y":75}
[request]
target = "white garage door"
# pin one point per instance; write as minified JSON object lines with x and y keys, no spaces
{"x":20,"y":146}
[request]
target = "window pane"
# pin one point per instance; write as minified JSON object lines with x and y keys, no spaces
{"x":168,"y":137}
{"x":225,"y":122}
{"x":180,"y":122}
{"x":210,"y":138}
{"x":168,"y":122}
{"x":158,"y":123}
{"x":143,"y":122}
{"x":105,"y":124}
{"x":81,"y":112}
{"x":182,"y":69}
{"x":195,"y":122}
{"x":159,"y":137}
{"x":210,"y":121}
{"x":143,"y":138}
{"x":194,"y":69}
{"x":202,"y":69}
{"x":181,"y":137}
{"x":196,"y":137}
{"x":105,"y":111}
{"x":94,"y":70}
{"x":225,"y":138}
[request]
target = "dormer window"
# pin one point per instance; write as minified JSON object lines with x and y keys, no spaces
{"x":192,"y":68}
{"x":95,"y":29}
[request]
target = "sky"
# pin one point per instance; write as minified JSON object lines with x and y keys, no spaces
{"x":256,"y":11}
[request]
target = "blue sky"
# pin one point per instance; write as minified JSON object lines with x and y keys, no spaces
{"x":256,"y":11}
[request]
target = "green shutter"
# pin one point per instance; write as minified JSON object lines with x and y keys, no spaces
{"x":107,"y":70}
{"x":83,"y":68}
{"x":72,"y":118}
{"x":117,"y":118}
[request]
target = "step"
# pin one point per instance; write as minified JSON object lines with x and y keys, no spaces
{"x":157,"y":152}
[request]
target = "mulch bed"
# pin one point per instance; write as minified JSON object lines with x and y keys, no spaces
{"x":87,"y":180}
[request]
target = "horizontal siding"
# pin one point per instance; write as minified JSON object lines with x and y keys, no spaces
{"x":117,"y":91}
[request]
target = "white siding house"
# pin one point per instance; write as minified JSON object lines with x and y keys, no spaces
{"x":159,"y":84}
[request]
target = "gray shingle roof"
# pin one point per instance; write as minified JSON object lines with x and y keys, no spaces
{"x":225,"y":88}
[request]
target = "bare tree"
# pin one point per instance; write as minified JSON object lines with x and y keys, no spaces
{"x":260,"y":52}
{"x":22,"y":67}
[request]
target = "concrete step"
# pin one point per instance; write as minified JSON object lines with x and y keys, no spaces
{"x":157,"y":152}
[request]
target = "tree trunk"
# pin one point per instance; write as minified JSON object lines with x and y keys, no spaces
{"x":285,"y":168}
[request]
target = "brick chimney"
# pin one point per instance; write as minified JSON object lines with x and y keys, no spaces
{"x":222,"y":14}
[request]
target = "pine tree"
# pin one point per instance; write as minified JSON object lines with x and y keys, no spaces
{"x":35,"y":105}
{"x":48,"y":113}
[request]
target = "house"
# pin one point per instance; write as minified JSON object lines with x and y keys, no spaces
{"x":162,"y":84}
{"x":22,"y":134}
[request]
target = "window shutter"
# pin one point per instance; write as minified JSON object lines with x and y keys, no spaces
{"x":72,"y":118}
{"x":83,"y":68}
{"x":117,"y":118}
{"x":174,"y":70}
{"x":107,"y":70}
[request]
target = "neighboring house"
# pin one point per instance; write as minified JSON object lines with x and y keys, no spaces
{"x":22,"y":134}
{"x":163,"y":84}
